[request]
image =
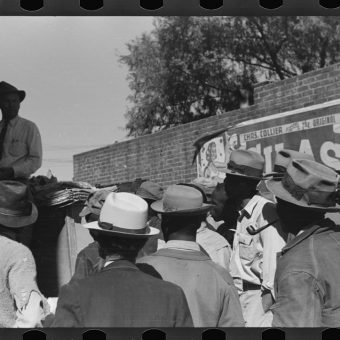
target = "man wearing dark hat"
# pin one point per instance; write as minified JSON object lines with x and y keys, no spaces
{"x":20,"y":141}
{"x":209,"y":289}
{"x":253,"y":261}
{"x":307,"y":279}
{"x":21,"y":303}
{"x":120,"y":295}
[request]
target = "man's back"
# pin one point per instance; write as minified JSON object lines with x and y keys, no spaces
{"x":308,"y":279}
{"x":209,"y":289}
{"x":122,"y":296}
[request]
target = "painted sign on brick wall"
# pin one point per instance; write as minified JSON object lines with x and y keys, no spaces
{"x":314,"y":130}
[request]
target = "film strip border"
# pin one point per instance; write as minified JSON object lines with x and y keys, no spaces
{"x":168,"y":7}
{"x":172,"y":334}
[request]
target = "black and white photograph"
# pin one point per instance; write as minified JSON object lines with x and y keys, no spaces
{"x":169,"y":171}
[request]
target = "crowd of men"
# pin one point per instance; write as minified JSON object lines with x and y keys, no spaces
{"x":261,"y":252}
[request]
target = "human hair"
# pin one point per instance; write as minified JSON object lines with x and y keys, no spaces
{"x":181,"y":224}
{"x":125,"y":247}
{"x":245,"y":187}
{"x":295,"y":217}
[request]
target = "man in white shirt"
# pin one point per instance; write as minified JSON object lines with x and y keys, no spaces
{"x":253,"y":262}
{"x":20,"y":141}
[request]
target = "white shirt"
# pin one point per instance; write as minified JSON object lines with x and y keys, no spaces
{"x":182,"y":245}
{"x":217,"y":247}
{"x":213,"y":223}
{"x":22,"y":147}
{"x":254,"y":256}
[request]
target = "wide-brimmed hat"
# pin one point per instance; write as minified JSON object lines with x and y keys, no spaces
{"x":125,"y":215}
{"x":6,"y":88}
{"x":16,"y":210}
{"x":150,"y":191}
{"x":94,"y":203}
{"x":181,"y":200}
{"x":283,"y":159}
{"x":245,"y":163}
{"x":308,"y":184}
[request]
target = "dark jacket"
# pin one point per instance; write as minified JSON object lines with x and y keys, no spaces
{"x":307,"y":280}
{"x":121,"y":296}
{"x":87,"y":262}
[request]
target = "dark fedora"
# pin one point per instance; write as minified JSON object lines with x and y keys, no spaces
{"x":16,"y":210}
{"x":6,"y":88}
{"x":150,"y":191}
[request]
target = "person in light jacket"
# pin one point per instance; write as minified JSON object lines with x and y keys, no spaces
{"x":209,"y":289}
{"x":307,"y":279}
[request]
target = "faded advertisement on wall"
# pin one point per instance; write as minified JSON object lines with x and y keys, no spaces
{"x":314,"y":130}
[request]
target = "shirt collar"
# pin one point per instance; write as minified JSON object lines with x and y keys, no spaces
{"x":119,"y":264}
{"x":319,"y":227}
{"x":12,"y":121}
{"x":248,"y":210}
{"x":182,"y":245}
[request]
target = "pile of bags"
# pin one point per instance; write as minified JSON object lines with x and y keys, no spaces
{"x":48,"y":192}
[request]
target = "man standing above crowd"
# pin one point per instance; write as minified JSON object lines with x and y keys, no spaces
{"x":20,"y":141}
{"x":307,"y":279}
{"x":253,"y":262}
{"x":209,"y":289}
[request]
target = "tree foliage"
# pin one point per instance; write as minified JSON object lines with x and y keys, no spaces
{"x":190,"y":68}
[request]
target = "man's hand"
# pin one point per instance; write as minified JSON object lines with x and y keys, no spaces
{"x":267,"y":300}
{"x":6,"y":173}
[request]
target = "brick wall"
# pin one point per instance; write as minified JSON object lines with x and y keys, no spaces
{"x":166,"y":157}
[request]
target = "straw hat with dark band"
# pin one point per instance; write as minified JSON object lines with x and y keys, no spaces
{"x":245,"y":163}
{"x":181,"y":200}
{"x":283,"y":159}
{"x":123,"y":214}
{"x":308,"y":184}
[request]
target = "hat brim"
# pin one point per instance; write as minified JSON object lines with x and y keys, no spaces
{"x":229,"y":172}
{"x":95,"y":226}
{"x":159,"y":208}
{"x":279,"y":191}
{"x":19,"y":222}
{"x":146,"y":197}
{"x":20,"y":93}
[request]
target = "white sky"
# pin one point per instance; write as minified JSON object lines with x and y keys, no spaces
{"x":75,"y":87}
